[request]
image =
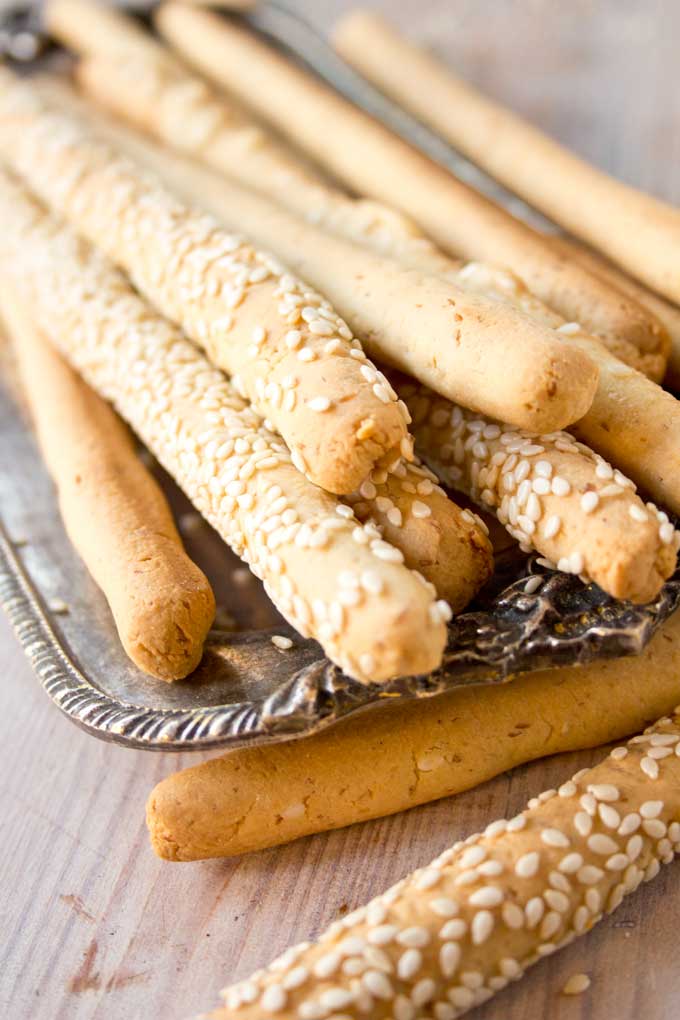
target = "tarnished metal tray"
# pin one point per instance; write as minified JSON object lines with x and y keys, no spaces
{"x":247,"y":689}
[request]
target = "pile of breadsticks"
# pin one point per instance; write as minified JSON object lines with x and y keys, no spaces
{"x":309,"y":366}
{"x":281,"y":346}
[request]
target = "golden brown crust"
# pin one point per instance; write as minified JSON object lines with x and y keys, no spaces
{"x":373,"y":161}
{"x":450,"y":935}
{"x":667,"y":314}
{"x":639,"y":232}
{"x":287,"y":350}
{"x":393,"y":758}
{"x":331,"y":578}
{"x":113,"y":510}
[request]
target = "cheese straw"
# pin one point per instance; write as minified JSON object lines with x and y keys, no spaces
{"x":453,"y":933}
{"x":330,"y":577}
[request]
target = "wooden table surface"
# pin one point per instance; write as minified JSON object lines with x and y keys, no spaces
{"x":92,"y":924}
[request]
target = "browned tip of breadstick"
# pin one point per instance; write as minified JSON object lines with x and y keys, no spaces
{"x":114,"y":511}
{"x":448,"y":545}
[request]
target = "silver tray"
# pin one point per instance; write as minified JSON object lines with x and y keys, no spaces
{"x":246,"y":690}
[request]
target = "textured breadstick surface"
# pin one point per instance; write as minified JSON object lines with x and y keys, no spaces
{"x":406,"y":754}
{"x":287,"y":350}
{"x":552,"y":493}
{"x":635,"y":424}
{"x":113,"y":510}
{"x":639,"y":232}
{"x":668,"y":314}
{"x":373,"y":161}
{"x":446,"y":544}
{"x":328,"y":576}
{"x":453,"y":933}
{"x":632,"y":422}
{"x":503,"y":285}
{"x":136,"y":77}
{"x":456,"y":341}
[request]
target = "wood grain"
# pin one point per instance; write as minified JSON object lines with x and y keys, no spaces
{"x":93,"y":926}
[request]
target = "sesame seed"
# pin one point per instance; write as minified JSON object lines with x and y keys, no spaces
{"x":414,"y":937}
{"x":589,"y":501}
{"x":600,"y":843}
{"x":319,"y":404}
{"x":284,"y":643}
{"x":527,"y":865}
{"x":560,"y":486}
{"x":577,"y":984}
{"x":273,"y":999}
{"x":482,"y":927}
{"x":420,"y":510}
{"x":650,"y":767}
{"x":487,"y":896}
{"x":554,"y":838}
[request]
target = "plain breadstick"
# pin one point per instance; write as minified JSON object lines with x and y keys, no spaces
{"x":136,"y":76}
{"x":667,"y":313}
{"x":373,"y":161}
{"x":332,"y":579}
{"x":639,"y":232}
{"x":551,"y":493}
{"x":340,"y":415}
{"x":286,"y":349}
{"x":407,"y":753}
{"x":449,"y":936}
{"x":113,"y":511}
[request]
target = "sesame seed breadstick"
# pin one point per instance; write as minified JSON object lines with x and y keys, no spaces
{"x":637,"y":231}
{"x":668,"y":314}
{"x":446,"y":544}
{"x":408,"y":753}
{"x":332,"y":579}
{"x":450,"y":935}
{"x":632,"y":422}
{"x":286,"y":349}
{"x":130,"y":72}
{"x":400,"y":311}
{"x":113,"y":510}
{"x":373,"y":161}
{"x":298,"y":244}
{"x":551,"y":493}
{"x":437,"y":538}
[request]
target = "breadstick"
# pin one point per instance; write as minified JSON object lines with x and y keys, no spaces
{"x":299,"y":245}
{"x":329,"y":576}
{"x":639,"y":232}
{"x":407,"y":753}
{"x":452,"y":934}
{"x":286,"y":349}
{"x":446,"y":544}
{"x":373,"y":161}
{"x":632,"y":422}
{"x":342,"y":416}
{"x":551,"y":493}
{"x":114,"y":512}
{"x":137,"y":77}
{"x":667,"y":314}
